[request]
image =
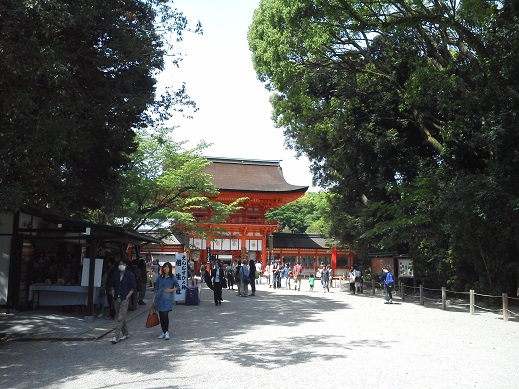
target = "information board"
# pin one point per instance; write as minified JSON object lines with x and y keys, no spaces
{"x":405,"y":268}
{"x":182,"y":277}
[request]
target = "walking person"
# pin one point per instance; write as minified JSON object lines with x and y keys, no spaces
{"x":218,"y":279}
{"x":143,"y":280}
{"x":258,"y":272}
{"x":286,"y":272}
{"x":134,"y":268}
{"x":276,"y":276}
{"x":237,"y":279}
{"x":165,"y":286}
{"x":268,"y":274}
{"x":387,"y":280}
{"x":202,"y":273}
{"x":252,"y":277}
{"x":229,"y":274}
{"x":298,"y":270}
{"x":358,"y":280}
{"x":154,"y":272}
{"x":244,"y":279}
{"x":351,"y":277}
{"x":123,"y":286}
{"x":325,"y":277}
{"x":311,"y":281}
{"x":112,"y":269}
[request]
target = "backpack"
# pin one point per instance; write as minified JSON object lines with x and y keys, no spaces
{"x":229,"y":274}
{"x":244,"y":274}
{"x":389,"y":279}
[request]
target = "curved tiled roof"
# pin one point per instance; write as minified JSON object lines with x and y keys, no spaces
{"x":299,"y":240}
{"x":249,"y":175}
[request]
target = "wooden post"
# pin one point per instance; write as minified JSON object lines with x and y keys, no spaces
{"x":421,"y":295}
{"x":444,"y":298}
{"x":372,"y":286}
{"x":472,"y":301}
{"x":505,"y":306}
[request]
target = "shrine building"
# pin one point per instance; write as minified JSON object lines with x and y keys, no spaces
{"x":246,"y":233}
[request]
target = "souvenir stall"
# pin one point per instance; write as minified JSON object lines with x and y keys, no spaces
{"x":45,"y":258}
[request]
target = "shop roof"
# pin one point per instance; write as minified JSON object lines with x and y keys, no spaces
{"x":249,"y":175}
{"x":299,"y":240}
{"x":60,"y":227}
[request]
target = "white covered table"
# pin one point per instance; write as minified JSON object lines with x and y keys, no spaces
{"x":55,"y":295}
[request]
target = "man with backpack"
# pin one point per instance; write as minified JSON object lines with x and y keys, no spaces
{"x":230,"y":276}
{"x":244,"y":279}
{"x":387,"y":280}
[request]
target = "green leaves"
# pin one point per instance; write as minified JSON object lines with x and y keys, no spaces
{"x":165,"y":188}
{"x":76,"y":81}
{"x":409,"y":112}
{"x":299,"y":215}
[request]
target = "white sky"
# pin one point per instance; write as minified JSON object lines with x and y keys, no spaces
{"x":235,"y":112}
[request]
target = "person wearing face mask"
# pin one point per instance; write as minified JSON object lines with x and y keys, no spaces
{"x":165,"y":286}
{"x":122,"y":287}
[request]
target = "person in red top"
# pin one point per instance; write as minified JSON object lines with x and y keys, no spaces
{"x":298,"y":269}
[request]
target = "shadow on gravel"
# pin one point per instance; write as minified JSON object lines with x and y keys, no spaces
{"x":222,"y":331}
{"x":38,"y":320}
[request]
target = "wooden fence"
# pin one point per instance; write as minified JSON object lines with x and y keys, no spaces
{"x":468,"y":300}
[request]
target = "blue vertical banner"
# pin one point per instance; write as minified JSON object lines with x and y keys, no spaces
{"x":182,"y":277}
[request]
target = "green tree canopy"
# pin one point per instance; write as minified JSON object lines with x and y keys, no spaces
{"x":163,"y":189}
{"x":408,"y":110}
{"x":298,"y":215}
{"x":77,"y":78}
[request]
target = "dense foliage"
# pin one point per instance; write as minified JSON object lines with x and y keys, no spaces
{"x":162,"y":190}
{"x":408,"y":110}
{"x":301,"y":215}
{"x":77,"y":78}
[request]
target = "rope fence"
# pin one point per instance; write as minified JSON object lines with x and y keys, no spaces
{"x":449,"y":298}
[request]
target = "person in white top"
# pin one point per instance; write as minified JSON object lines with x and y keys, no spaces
{"x":258,"y":271}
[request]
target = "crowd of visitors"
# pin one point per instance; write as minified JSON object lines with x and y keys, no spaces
{"x":124,"y":286}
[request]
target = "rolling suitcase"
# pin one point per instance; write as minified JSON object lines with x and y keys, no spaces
{"x":192,"y":297}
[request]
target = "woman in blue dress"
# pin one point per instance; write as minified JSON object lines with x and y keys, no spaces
{"x":164,"y":296}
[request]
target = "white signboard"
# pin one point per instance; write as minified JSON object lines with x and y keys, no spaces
{"x":98,"y":271}
{"x":405,"y":268}
{"x":182,"y":277}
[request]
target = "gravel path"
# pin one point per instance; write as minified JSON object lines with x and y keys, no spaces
{"x":283,"y":339}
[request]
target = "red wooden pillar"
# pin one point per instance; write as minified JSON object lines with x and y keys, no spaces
{"x":334,"y":258}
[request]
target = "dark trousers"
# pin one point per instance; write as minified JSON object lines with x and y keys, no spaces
{"x":276,"y":281}
{"x":388,"y":292}
{"x":110,"y":299}
{"x":142,"y":292}
{"x":164,"y":321}
{"x":134,"y":299}
{"x":217,"y":291}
